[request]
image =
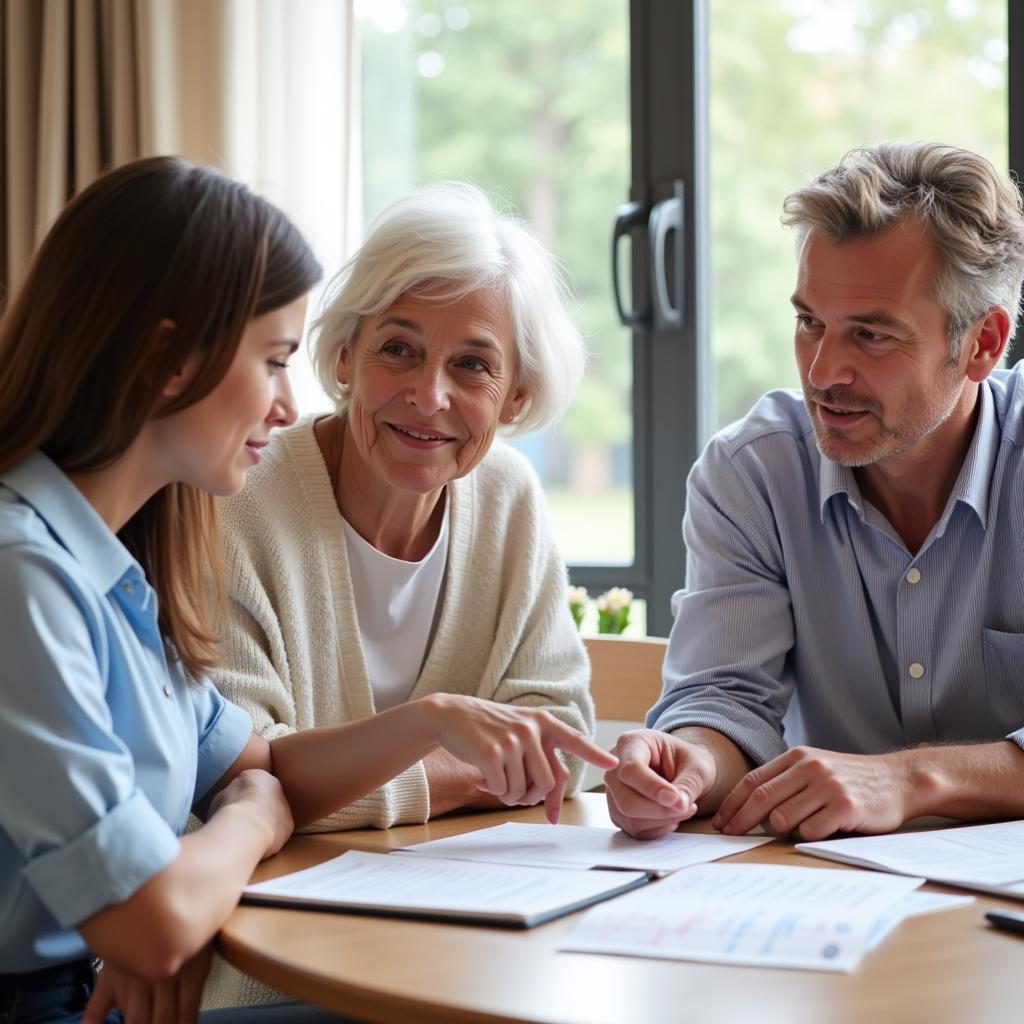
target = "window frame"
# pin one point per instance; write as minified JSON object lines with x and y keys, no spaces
{"x":672,"y":394}
{"x":671,"y":379}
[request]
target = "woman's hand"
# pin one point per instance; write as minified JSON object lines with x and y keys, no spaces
{"x":513,"y":747}
{"x":259,"y":793}
{"x":173,"y":1000}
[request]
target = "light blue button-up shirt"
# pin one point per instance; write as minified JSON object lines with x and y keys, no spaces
{"x":104,"y":744}
{"x":805,"y":618}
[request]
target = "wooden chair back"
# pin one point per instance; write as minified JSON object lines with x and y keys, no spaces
{"x":625,"y":682}
{"x":625,"y":675}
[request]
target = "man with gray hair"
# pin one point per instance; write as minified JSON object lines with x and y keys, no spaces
{"x":855,"y":566}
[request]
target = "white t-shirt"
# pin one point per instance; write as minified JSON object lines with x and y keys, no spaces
{"x":397,"y":604}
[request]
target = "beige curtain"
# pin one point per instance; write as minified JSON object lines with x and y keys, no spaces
{"x":88,"y":84}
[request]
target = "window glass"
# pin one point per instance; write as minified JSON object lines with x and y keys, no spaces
{"x":794,"y":85}
{"x":529,"y":100}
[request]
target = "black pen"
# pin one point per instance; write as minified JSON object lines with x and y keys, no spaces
{"x":1009,"y":920}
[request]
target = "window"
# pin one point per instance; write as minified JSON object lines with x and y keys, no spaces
{"x":568,"y":110}
{"x":794,"y":85}
{"x":529,"y":101}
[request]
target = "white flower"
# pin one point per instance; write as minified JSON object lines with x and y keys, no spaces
{"x":577,"y":595}
{"x":614,"y":600}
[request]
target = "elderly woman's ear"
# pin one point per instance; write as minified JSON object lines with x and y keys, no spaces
{"x":513,"y":406}
{"x":341,"y":370}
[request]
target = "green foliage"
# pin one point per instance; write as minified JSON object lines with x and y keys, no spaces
{"x":578,"y":611}
{"x":794,"y":85}
{"x":532,"y":103}
{"x":598,"y":417}
{"x":613,"y":622}
{"x":613,"y":608}
{"x":531,"y":100}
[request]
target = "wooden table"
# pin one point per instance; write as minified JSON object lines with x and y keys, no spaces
{"x":948,"y":966}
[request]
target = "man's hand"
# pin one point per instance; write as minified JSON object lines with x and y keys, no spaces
{"x":171,"y":1001}
{"x":658,"y":783}
{"x":815,"y":793}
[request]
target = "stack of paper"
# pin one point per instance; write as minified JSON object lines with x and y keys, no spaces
{"x":513,"y":874}
{"x":578,"y":846}
{"x":755,"y":914}
{"x":989,"y":858}
{"x":380,"y":883}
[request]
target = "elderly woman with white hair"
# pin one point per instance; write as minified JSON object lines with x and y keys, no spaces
{"x":389,"y":550}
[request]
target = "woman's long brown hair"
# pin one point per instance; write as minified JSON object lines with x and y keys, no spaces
{"x":85,"y":350}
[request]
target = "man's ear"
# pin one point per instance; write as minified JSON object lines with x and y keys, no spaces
{"x":987,"y":341}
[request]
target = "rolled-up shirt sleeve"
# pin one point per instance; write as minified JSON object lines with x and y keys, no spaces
{"x":223,"y":729}
{"x":727,"y":661}
{"x":70,"y":804}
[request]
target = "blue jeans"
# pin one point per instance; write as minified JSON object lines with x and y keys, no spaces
{"x":58,"y":996}
{"x":272,"y":1013}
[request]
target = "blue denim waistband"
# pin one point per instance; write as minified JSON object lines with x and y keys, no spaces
{"x":59,"y":974}
{"x":61,"y":980}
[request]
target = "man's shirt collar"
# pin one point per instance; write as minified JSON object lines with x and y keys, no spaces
{"x":972,"y":486}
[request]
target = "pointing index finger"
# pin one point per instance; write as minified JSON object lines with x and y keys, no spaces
{"x":573,"y":742}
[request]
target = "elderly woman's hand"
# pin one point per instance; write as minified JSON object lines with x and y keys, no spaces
{"x":513,"y":747}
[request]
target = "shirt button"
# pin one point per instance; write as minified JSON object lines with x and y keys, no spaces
{"x":914,"y":575}
{"x":167,"y":689}
{"x":916,"y":670}
{"x":128,"y":587}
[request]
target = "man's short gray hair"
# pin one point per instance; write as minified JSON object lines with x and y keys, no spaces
{"x":973,"y":212}
{"x":447,"y":241}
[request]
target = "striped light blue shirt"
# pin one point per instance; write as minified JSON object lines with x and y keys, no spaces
{"x":805,"y":619}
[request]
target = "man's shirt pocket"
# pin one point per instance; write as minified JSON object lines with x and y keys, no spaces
{"x":1004,"y":679}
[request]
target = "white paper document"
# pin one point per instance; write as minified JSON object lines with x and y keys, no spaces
{"x":579,"y":846}
{"x":985,"y":857}
{"x":424,"y":887}
{"x":914,"y":904}
{"x":755,"y":914}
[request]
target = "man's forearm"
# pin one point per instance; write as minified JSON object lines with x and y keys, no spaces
{"x":967,"y":781}
{"x":731,"y":764}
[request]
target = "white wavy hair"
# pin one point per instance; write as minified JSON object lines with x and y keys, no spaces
{"x":447,"y":241}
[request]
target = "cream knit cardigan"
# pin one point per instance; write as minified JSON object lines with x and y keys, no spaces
{"x":293,"y":656}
